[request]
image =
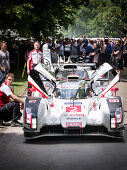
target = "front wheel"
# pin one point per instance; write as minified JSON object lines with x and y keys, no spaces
{"x":119,"y":134}
{"x":31,"y":134}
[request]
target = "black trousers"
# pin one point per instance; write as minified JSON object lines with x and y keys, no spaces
{"x":10,"y":111}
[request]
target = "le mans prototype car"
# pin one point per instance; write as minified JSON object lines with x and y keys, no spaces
{"x":71,"y":105}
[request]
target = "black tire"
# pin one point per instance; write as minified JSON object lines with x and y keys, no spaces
{"x":119,"y":134}
{"x":30,"y":134}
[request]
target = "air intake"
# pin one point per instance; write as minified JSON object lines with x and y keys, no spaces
{"x":73,"y":77}
{"x":70,"y":67}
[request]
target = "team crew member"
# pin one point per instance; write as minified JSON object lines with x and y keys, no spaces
{"x":10,"y":111}
{"x":35,"y":57}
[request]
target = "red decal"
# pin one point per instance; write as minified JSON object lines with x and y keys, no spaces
{"x":115,"y":121}
{"x":114,"y":100}
{"x":73,"y":109}
{"x":44,"y":95}
{"x":73,"y":124}
{"x":94,"y":106}
{"x":31,"y":120}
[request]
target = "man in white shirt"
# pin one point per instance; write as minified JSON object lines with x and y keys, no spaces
{"x":10,"y":111}
{"x":35,"y":57}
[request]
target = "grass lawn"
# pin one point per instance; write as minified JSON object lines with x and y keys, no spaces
{"x":19,"y":83}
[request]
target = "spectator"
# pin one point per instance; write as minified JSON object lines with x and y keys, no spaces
{"x":13,"y":51}
{"x":94,"y":55}
{"x":10,"y":111}
{"x":67,"y":48}
{"x":60,"y":48}
{"x":117,"y":55}
{"x":87,"y":49}
{"x":98,"y":42}
{"x":54,"y":57}
{"x":73,"y":47}
{"x":108,"y":51}
{"x":79,"y":45}
{"x":4,"y":61}
{"x":125,"y":51}
{"x":84,"y":39}
{"x":102,"y":52}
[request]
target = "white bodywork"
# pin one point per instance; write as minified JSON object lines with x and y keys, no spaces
{"x":72,"y":113}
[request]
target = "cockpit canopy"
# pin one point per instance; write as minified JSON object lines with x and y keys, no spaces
{"x":73,"y":90}
{"x":63,"y":74}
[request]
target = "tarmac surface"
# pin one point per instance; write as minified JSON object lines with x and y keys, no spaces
{"x":64,"y":153}
{"x":122,"y":86}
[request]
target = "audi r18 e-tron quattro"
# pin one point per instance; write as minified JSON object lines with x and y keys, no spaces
{"x":73,"y":106}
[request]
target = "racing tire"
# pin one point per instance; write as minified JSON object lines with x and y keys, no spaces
{"x":119,"y":134}
{"x":30,"y":134}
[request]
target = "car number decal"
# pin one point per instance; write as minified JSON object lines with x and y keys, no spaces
{"x":73,"y":109}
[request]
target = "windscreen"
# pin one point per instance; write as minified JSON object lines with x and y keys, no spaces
{"x":71,"y":93}
{"x":64,"y":74}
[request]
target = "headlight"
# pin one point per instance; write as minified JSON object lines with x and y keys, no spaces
{"x":30,"y":118}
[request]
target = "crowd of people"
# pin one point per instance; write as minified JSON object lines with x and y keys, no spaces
{"x":99,"y":51}
{"x":112,"y":51}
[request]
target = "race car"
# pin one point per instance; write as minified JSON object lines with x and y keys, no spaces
{"x":73,"y":106}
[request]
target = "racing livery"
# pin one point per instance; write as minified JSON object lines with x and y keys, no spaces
{"x":74,"y":106}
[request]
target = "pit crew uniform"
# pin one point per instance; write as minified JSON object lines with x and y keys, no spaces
{"x":35,"y":57}
{"x":9,"y":111}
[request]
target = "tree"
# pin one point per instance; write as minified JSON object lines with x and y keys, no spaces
{"x":37,"y":18}
{"x":98,"y":19}
{"x":123,"y":6}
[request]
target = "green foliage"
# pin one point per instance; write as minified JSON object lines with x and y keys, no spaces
{"x":19,"y":84}
{"x":122,"y":4}
{"x":35,"y":18}
{"x":100,"y":18}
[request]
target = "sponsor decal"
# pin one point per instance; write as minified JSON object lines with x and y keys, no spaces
{"x":73,"y":118}
{"x":75,"y":102}
{"x":114,"y":100}
{"x":73,"y":109}
{"x":73,"y":124}
{"x":76,"y":114}
{"x":32,"y":101}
